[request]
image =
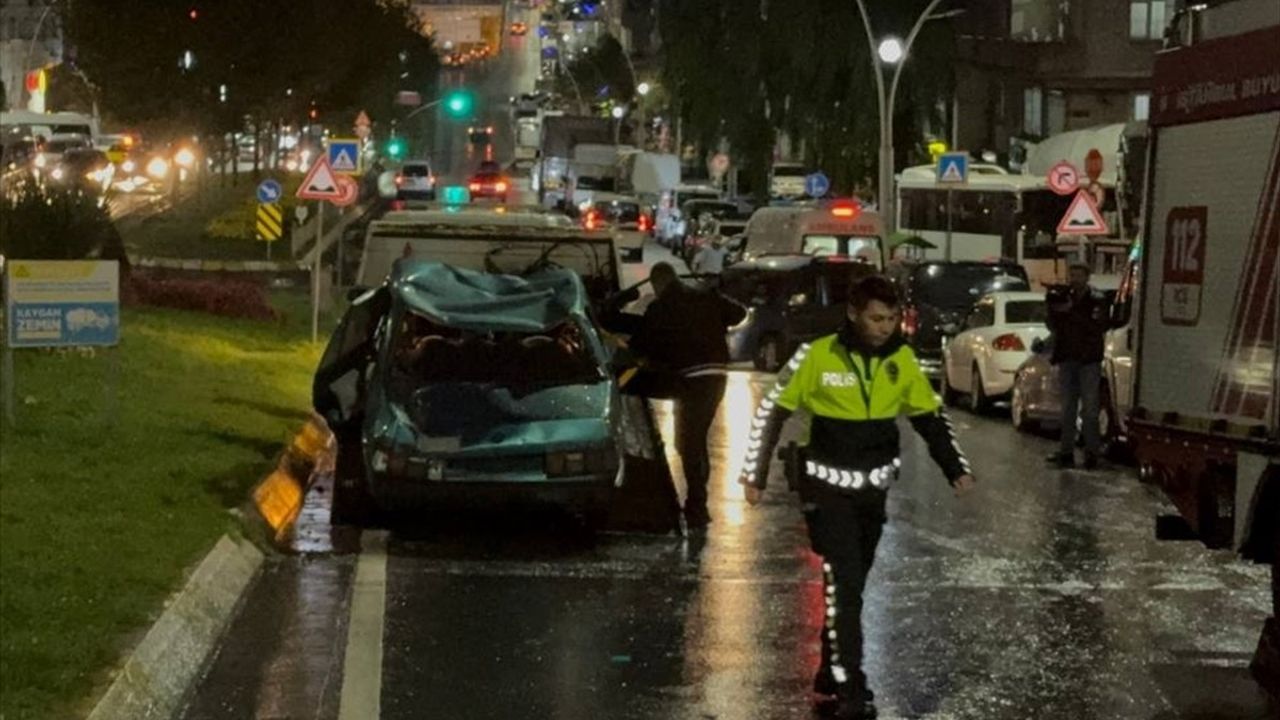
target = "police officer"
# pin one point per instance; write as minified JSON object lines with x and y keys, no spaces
{"x":854,"y":383}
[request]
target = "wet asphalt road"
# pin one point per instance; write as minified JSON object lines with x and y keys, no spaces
{"x":1042,"y":595}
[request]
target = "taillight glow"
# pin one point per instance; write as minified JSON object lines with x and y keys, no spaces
{"x":910,"y":321}
{"x":644,"y":224}
{"x":1008,"y":343}
{"x":500,"y":187}
{"x":591,"y":220}
{"x":475,"y":187}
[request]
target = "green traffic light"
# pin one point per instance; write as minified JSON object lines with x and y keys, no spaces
{"x":459,"y":104}
{"x":396,"y":148}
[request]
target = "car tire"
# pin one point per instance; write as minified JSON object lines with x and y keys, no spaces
{"x":769,"y":355}
{"x":950,"y":397}
{"x":979,"y":403}
{"x":1018,"y":410}
{"x":351,"y":503}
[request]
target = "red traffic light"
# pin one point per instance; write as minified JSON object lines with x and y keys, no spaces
{"x":194,"y":14}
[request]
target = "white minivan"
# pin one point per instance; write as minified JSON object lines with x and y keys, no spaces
{"x":841,"y":227}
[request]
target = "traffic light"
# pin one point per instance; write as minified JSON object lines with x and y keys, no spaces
{"x":459,"y":104}
{"x":396,"y":148}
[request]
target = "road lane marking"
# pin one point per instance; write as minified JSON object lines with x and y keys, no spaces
{"x":362,"y":664}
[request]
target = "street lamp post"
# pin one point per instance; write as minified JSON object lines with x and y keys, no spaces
{"x":890,"y":51}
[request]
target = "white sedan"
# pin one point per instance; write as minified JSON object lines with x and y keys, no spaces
{"x":983,"y":360}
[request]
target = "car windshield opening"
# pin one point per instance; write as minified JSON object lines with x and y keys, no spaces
{"x":1026,"y":312}
{"x":862,"y":249}
{"x":428,"y":353}
{"x":953,"y":286}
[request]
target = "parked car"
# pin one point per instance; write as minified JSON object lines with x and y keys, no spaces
{"x":790,"y":299}
{"x":446,"y":386}
{"x":938,"y":295}
{"x":415,"y":181}
{"x":996,"y":338}
{"x":726,"y":229}
{"x":480,"y":135}
{"x":626,"y":216}
{"x":83,"y":169}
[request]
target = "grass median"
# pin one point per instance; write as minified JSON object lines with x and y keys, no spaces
{"x":104,"y":504}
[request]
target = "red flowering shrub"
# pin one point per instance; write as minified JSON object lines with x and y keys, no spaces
{"x":218,"y":295}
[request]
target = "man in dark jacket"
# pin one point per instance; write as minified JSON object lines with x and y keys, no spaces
{"x":854,"y":384}
{"x":1078,"y":320}
{"x":683,"y":334}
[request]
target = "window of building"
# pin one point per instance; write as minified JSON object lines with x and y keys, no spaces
{"x":1038,"y":20}
{"x":1033,"y":111}
{"x":1147,"y":19}
{"x":1141,"y":106}
{"x":1056,"y":112}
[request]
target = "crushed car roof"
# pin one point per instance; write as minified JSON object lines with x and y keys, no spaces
{"x":471,"y":300}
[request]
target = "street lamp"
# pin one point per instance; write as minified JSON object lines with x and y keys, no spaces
{"x":643,"y":88}
{"x":891,"y":51}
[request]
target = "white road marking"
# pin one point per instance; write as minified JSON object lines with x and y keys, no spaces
{"x":362,"y":665}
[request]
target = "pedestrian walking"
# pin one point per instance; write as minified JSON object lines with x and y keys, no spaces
{"x":1078,"y":320}
{"x":854,"y":384}
{"x":682,"y":335}
{"x":709,"y":260}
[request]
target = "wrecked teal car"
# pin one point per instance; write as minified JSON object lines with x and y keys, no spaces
{"x":452,"y":386}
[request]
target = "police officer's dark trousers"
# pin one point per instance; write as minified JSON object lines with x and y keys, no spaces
{"x":695,"y":410}
{"x":844,"y":527}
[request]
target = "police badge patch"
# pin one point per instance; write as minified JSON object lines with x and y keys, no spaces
{"x":892,"y":370}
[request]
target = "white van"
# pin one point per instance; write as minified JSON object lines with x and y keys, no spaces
{"x":836,"y":228}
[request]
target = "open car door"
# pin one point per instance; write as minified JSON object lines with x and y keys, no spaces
{"x":338,"y":390}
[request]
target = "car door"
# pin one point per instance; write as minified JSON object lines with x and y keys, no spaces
{"x":804,"y":307}
{"x":338,"y":389}
{"x":963,"y":349}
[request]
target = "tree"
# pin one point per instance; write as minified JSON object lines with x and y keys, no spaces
{"x":800,"y":68}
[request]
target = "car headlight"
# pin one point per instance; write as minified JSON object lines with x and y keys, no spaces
{"x":378,"y":461}
{"x":128,"y":166}
{"x":41,"y":161}
{"x":157,"y":168}
{"x":57,"y":173}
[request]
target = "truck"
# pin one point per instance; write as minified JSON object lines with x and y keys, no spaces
{"x":1207,"y":384}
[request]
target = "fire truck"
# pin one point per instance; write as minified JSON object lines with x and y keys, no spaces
{"x":1207,"y":388}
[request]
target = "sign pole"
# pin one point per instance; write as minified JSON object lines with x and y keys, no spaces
{"x":338,"y":279}
{"x":7,"y":380}
{"x":315,"y":274}
{"x":950,"y":195}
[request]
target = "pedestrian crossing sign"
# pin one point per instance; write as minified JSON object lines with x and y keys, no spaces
{"x":953,"y":167}
{"x":344,"y":155}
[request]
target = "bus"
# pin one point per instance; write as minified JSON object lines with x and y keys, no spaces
{"x":27,"y":125}
{"x":999,"y":214}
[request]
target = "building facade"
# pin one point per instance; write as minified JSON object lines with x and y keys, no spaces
{"x":1028,"y":69}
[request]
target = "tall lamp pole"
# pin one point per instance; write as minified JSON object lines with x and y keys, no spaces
{"x":891,"y":51}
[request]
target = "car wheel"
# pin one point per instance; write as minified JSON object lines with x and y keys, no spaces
{"x":950,"y":397}
{"x":1018,"y":409}
{"x":351,"y":503}
{"x":979,"y":403}
{"x":769,"y":354}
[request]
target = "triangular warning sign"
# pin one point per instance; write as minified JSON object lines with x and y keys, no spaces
{"x":344,"y":162}
{"x":320,"y":182}
{"x":1082,"y":217}
{"x":951,"y":172}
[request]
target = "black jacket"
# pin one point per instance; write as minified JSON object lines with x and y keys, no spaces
{"x":683,"y":330}
{"x":1079,"y":332}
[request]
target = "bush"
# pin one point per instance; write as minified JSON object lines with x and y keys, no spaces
{"x":46,"y":223}
{"x":221,"y":295}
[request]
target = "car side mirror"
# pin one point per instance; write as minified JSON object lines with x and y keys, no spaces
{"x":1038,"y":346}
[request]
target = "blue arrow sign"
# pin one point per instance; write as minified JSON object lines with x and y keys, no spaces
{"x":816,"y":185}
{"x":269,"y":191}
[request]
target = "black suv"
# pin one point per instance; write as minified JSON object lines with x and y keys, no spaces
{"x":937,"y":295}
{"x":791,"y":299}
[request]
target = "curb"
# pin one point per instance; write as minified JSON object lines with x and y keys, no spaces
{"x":171,"y":657}
{"x":160,"y":673}
{"x":219,"y":265}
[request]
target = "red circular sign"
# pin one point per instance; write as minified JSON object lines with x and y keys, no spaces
{"x":1093,"y":164}
{"x":1064,"y":178}
{"x":349,"y":189}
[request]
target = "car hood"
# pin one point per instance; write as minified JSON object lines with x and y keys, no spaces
{"x":480,"y":419}
{"x":472,"y":300}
